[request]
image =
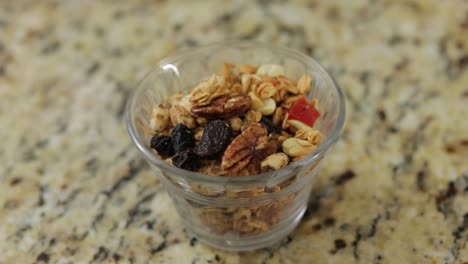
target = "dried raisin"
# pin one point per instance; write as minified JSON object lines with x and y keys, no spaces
{"x":215,"y":139}
{"x":186,"y":160}
{"x":182,"y":138}
{"x":163,"y":145}
{"x":270,"y":126}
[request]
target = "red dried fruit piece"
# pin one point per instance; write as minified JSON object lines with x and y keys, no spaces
{"x":302,"y":111}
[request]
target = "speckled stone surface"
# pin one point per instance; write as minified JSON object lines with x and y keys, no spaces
{"x":73,"y":189}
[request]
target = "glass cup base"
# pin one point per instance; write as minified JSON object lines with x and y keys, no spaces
{"x":264,"y":240}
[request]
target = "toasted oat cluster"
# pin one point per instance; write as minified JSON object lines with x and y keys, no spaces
{"x":238,"y":122}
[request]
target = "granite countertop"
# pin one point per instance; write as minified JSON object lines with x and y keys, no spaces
{"x":73,"y":189}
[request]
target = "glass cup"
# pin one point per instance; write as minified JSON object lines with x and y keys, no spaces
{"x":236,"y":213}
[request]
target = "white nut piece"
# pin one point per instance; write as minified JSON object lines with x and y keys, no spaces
{"x":269,"y":106}
{"x":253,"y":116}
{"x":180,"y":115}
{"x":299,"y":125}
{"x":274,"y":162}
{"x":271,"y":69}
{"x":295,"y":147}
{"x":159,"y":119}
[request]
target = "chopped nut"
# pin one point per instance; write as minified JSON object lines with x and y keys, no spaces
{"x":265,"y":90}
{"x":209,"y":90}
{"x":290,"y":101}
{"x":246,"y":223}
{"x":274,"y":162}
{"x":159,"y":119}
{"x":245,"y":193}
{"x":279,"y":115}
{"x":235,"y":123}
{"x":281,"y":138}
{"x":248,"y":81}
{"x":199,"y":133}
{"x":212,"y":169}
{"x":256,"y":102}
{"x":303,"y":85}
{"x":169,"y":160}
{"x":313,"y":136}
{"x":267,"y":78}
{"x":224,"y":107}
{"x":298,"y":125}
{"x":280,"y":94}
{"x":236,"y":89}
{"x":314,"y":103}
{"x":247,"y":68}
{"x":207,"y":191}
{"x":201,"y":121}
{"x":185,"y":102}
{"x":268,"y":107}
{"x":247,"y":150}
{"x":253,"y":116}
{"x":175,"y":98}
{"x":227,"y":71}
{"x":179,"y":115}
{"x":218,"y":219}
{"x":287,"y":84}
{"x":271,"y":69}
{"x":272,"y":189}
{"x":295,"y":147}
{"x":284,"y":124}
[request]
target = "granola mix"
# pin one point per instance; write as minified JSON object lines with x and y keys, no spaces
{"x":239,"y":122}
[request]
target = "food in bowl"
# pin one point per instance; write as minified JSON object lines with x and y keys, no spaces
{"x":238,"y":122}
{"x":232,"y":206}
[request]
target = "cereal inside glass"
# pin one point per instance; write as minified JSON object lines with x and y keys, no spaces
{"x":236,"y":133}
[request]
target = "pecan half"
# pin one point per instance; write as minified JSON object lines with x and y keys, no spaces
{"x":224,"y":107}
{"x":246,"y":152}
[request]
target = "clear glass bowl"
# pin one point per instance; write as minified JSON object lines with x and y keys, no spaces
{"x":236,"y":213}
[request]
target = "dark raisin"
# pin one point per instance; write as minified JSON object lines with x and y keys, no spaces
{"x":215,"y":139}
{"x":163,"y":145}
{"x":270,"y":126}
{"x":186,"y":160}
{"x":182,"y":138}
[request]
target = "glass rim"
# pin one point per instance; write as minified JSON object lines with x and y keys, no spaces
{"x":150,"y":156}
